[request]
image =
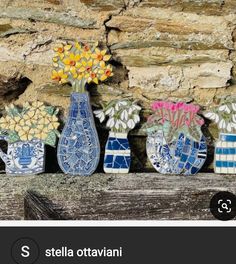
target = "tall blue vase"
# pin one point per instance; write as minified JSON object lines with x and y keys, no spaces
{"x":78,"y":150}
{"x":117,"y":154}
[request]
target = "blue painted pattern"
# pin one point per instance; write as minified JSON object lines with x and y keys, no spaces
{"x":78,"y":150}
{"x":228,"y":137}
{"x":225,"y":154}
{"x":181,"y":156}
{"x":25,"y":157}
{"x":117,"y":155}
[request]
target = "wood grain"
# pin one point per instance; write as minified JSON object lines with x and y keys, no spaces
{"x":146,"y":196}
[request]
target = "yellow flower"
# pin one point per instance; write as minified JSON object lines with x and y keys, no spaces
{"x":4,"y":124}
{"x":80,"y":76}
{"x":86,"y":66}
{"x":23,"y":135}
{"x":71,"y":62}
{"x":92,"y":77}
{"x":78,"y":46}
{"x":100,"y":57}
{"x":59,"y":76}
{"x":61,"y":49}
{"x":104,"y":74}
{"x":37,"y":105}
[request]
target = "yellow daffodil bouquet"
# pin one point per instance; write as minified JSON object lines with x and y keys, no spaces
{"x":32,"y":121}
{"x":79,"y":64}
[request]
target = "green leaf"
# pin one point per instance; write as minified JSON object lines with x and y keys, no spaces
{"x":13,"y":137}
{"x":51,"y":139}
{"x":49,"y":109}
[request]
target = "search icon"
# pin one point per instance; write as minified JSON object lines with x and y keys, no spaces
{"x":225,"y":206}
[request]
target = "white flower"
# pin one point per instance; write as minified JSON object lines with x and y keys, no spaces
{"x":229,"y":127}
{"x":136,"y":118}
{"x":234,"y":118}
{"x":110,"y":111}
{"x":212,"y":116}
{"x":222,"y":124}
{"x":120,"y":103}
{"x":136,"y":107}
{"x":233,"y":125}
{"x":123,"y":124}
{"x":99,"y":114}
{"x":124,"y":115}
{"x":224,"y":108}
{"x":131,"y":124}
{"x":234,"y":106}
{"x":117,"y":124}
{"x":130,"y":111}
{"x":111,"y":122}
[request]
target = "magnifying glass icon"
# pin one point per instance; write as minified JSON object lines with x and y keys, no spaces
{"x":225,"y":206}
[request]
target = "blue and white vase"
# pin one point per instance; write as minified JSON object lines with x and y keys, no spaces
{"x":24,"y":157}
{"x":78,"y":150}
{"x":181,"y":156}
{"x":225,"y":154}
{"x":117,"y":153}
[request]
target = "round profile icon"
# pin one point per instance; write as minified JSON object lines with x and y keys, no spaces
{"x":25,"y":251}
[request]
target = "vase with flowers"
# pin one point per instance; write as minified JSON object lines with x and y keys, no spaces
{"x":27,"y":129}
{"x":122,"y":116}
{"x":78,"y":150}
{"x":225,"y":147}
{"x":175,"y":143}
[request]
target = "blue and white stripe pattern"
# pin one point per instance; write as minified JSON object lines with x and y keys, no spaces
{"x":117,"y":154}
{"x":225,"y":154}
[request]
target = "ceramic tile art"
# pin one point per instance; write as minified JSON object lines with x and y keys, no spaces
{"x":78,"y":151}
{"x":175,"y":144}
{"x":27,"y":130}
{"x":122,"y":116}
{"x":225,"y":147}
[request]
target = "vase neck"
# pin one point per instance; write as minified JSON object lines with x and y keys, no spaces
{"x":118,"y":135}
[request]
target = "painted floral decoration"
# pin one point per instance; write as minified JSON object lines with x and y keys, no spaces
{"x":174,"y":118}
{"x":122,"y":115}
{"x":224,"y":116}
{"x":32,"y":121}
{"x":79,"y":64}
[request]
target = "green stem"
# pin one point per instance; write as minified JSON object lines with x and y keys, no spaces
{"x":79,"y":86}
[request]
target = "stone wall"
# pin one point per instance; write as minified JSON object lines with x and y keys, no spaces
{"x":162,"y":49}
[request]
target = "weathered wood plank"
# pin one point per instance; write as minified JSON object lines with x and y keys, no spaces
{"x":37,"y":207}
{"x":131,"y":196}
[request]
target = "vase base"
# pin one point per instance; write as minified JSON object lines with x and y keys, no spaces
{"x":112,"y":170}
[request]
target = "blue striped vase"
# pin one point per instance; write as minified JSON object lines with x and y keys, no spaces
{"x":117,"y":153}
{"x":225,"y":154}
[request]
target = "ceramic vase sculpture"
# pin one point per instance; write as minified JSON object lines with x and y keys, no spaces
{"x":225,"y":147}
{"x":122,"y":115}
{"x":27,"y":130}
{"x":78,"y":147}
{"x":175,"y":143}
{"x":78,"y":151}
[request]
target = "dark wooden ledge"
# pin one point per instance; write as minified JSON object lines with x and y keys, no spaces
{"x":147,"y":196}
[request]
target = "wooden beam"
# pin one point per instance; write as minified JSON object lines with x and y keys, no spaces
{"x":37,"y":207}
{"x":104,"y":196}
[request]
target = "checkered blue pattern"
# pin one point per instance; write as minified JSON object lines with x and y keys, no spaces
{"x":225,"y":154}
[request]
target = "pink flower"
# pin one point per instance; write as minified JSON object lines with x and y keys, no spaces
{"x":187,"y":122}
{"x":174,"y":108}
{"x":180,"y":105}
{"x":200,"y":122}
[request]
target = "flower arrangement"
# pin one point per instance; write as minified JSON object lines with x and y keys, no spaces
{"x":32,"y":121}
{"x":122,"y":115}
{"x":224,"y":116}
{"x":174,"y":118}
{"x":79,"y":64}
